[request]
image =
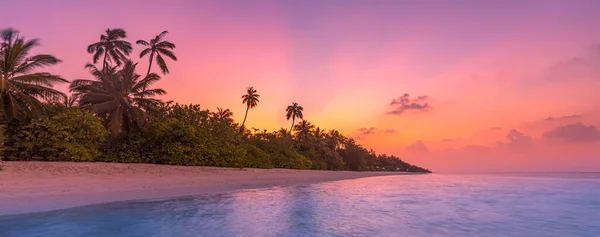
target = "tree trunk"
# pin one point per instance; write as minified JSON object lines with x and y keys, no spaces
{"x":292,"y":128}
{"x":148,"y":73}
{"x":150,"y":63}
{"x":104,"y":63}
{"x":245,"y":116}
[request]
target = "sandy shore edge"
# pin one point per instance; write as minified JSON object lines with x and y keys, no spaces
{"x":43,"y":186}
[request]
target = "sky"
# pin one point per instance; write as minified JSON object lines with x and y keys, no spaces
{"x":454,"y":86}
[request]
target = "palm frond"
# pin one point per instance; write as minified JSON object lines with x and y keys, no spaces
{"x":167,"y":53}
{"x":81,"y":82}
{"x":99,"y":53}
{"x":40,"y":78}
{"x":104,"y":107}
{"x":146,"y":82}
{"x":116,"y":33}
{"x":115,"y":57}
{"x":8,"y":33}
{"x":31,"y":103}
{"x":142,"y":42}
{"x":35,"y":62}
{"x":144,"y":52}
{"x":161,"y":35}
{"x":150,"y":93}
{"x":19,"y":51}
{"x":39,"y":91}
{"x":123,"y":46}
{"x":162,"y":64}
{"x":121,"y":56}
{"x":91,"y":67}
{"x":165,"y":45}
{"x":11,"y":108}
{"x":93,"y":47}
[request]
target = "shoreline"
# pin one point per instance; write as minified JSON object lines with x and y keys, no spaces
{"x":27,"y":187}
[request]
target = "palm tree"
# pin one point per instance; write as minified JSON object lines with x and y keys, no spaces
{"x":304,"y":127}
{"x":304,"y":131}
{"x":284,"y":133}
{"x":117,"y":96}
{"x":319,"y":133}
{"x":294,"y":111}
{"x":224,"y":115}
{"x":334,"y":139}
{"x":112,"y":47}
{"x":251,"y":101}
{"x":21,"y":85}
{"x":69,"y":100}
{"x":158,"y":47}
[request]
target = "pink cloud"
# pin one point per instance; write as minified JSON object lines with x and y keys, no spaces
{"x":417,"y":147}
{"x":576,"y":132}
{"x":405,"y":103}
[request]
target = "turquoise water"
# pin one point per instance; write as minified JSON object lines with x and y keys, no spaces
{"x":416,"y":205}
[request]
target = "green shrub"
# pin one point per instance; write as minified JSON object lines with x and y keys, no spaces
{"x":293,"y":160}
{"x":317,"y":162}
{"x":125,"y":149}
{"x":173,"y":142}
{"x":254,"y":157}
{"x":61,"y":134}
{"x":170,"y":141}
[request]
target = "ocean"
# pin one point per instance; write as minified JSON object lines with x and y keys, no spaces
{"x":541,"y":204}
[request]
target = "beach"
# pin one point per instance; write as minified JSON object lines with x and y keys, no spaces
{"x":42,"y":186}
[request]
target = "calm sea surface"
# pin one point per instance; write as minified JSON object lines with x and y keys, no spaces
{"x":411,"y":205}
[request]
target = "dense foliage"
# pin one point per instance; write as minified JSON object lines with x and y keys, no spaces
{"x":116,"y":117}
{"x":22,"y":85}
{"x":59,"y":134}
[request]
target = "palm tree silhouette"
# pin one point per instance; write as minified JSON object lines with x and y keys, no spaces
{"x":111,"y":46}
{"x":158,"y":48}
{"x":334,"y":139}
{"x":69,"y":100}
{"x":117,"y":96}
{"x":319,"y":133}
{"x":284,"y":133}
{"x":304,"y":131}
{"x":294,"y":111}
{"x":251,"y":101}
{"x":224,"y":115}
{"x":21,"y":85}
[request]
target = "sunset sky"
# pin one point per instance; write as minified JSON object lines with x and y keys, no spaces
{"x":511,"y":85}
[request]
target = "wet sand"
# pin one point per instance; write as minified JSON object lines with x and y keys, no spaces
{"x":43,"y":186}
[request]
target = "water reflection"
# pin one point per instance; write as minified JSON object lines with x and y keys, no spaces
{"x":302,"y":218}
{"x":253,"y":209}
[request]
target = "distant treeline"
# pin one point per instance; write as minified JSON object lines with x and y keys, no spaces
{"x":116,"y":117}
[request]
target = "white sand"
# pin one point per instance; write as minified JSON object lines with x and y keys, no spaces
{"x":42,"y":186}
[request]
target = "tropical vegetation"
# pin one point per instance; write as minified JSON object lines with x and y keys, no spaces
{"x":157,"y":47}
{"x":294,"y":111}
{"x":116,"y":115}
{"x":22,"y":86}
{"x":250,"y":99}
{"x":111,"y":47}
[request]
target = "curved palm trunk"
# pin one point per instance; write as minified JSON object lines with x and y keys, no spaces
{"x":291,"y":128}
{"x":104,"y":63}
{"x":245,"y":116}
{"x":148,"y":73}
{"x":2,"y":85}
